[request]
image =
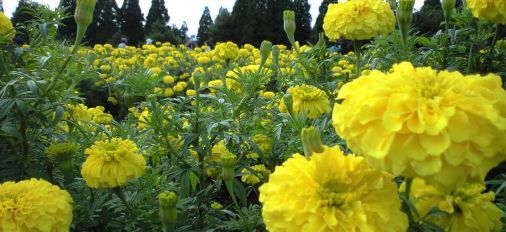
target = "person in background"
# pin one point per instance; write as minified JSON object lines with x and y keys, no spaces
{"x":123,"y":43}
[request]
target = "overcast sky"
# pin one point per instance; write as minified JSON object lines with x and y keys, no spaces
{"x":179,"y":11}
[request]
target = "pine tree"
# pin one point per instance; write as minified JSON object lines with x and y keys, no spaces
{"x":429,"y":18}
{"x":157,"y":13}
{"x":222,"y":29}
{"x":205,"y":23}
{"x":184,"y":31}
{"x":68,"y":28}
{"x":132,"y":19}
{"x":302,"y":20}
{"x":1,"y":6}
{"x":318,"y":27}
{"x":105,"y":23}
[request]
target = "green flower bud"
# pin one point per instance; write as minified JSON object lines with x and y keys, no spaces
{"x":62,"y":155}
{"x":288,"y":101}
{"x":265,"y":51}
{"x":448,"y":6}
{"x":405,"y":17}
{"x":289,"y":25}
{"x":168,"y":210}
{"x":228,"y":166}
{"x":84,"y":12}
{"x":275,"y":55}
{"x":311,"y":141}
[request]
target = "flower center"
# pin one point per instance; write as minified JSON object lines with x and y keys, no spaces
{"x":430,"y":87}
{"x":334,"y":193}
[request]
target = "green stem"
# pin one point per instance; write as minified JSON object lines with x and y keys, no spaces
{"x":470,"y":58}
{"x":122,"y":197}
{"x":409,"y":184}
{"x":230,"y":189}
{"x":488,"y":60}
{"x":357,"y":45}
{"x":446,"y":41}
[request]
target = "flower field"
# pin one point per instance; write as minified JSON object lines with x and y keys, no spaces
{"x":398,"y":132}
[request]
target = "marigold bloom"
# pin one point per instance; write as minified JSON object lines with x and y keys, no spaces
{"x":34,"y":206}
{"x":261,"y":174}
{"x":490,"y":10}
{"x":467,"y":208}
{"x":6,"y":27}
{"x":330,"y":192}
{"x":112,"y":163}
{"x":416,"y":122}
{"x":358,"y":19}
{"x":226,"y":51}
{"x":308,"y":100}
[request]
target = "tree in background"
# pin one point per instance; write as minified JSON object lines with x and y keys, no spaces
{"x":429,"y":18}
{"x":255,"y":21}
{"x":205,"y":23}
{"x":157,"y":13}
{"x":132,"y":26}
{"x":22,"y":17}
{"x":68,"y":28}
{"x":105,"y":24}
{"x":302,"y":20}
{"x":1,"y":6}
{"x":318,"y":26}
{"x":222,"y":29}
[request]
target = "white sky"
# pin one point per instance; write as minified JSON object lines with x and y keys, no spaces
{"x":179,"y":11}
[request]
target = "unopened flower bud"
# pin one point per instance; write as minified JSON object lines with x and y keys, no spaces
{"x":448,"y":6}
{"x":84,"y":12}
{"x":168,"y":210}
{"x":405,"y":17}
{"x":289,"y":25}
{"x":265,"y":51}
{"x":288,"y":101}
{"x":275,"y":55}
{"x":62,"y":155}
{"x":311,"y":141}
{"x":228,"y":166}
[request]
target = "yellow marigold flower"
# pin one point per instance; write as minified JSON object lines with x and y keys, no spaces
{"x":168,"y":92}
{"x":215,"y":83}
{"x":268,"y":95}
{"x":168,"y":79}
{"x":216,"y":205}
{"x":263,"y":142}
{"x":112,"y":100}
{"x":226,"y":51}
{"x":358,"y":19}
{"x":261,"y":174}
{"x":6,"y":29}
{"x":308,"y":100}
{"x":490,"y":10}
{"x":191,"y":92}
{"x":203,"y":60}
{"x":34,"y":206}
{"x":467,"y":208}
{"x":112,"y":163}
{"x":178,"y":88}
{"x":417,"y":122}
{"x":330,"y":192}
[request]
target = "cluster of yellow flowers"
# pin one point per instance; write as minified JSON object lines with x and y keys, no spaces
{"x":358,"y":19}
{"x":34,"y":205}
{"x":81,"y":113}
